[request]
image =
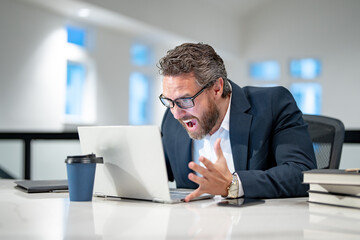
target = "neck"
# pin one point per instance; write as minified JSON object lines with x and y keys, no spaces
{"x":223,"y":107}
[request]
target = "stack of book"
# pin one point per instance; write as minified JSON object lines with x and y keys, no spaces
{"x":334,"y":187}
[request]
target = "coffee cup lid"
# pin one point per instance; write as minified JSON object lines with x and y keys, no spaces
{"x":89,"y":158}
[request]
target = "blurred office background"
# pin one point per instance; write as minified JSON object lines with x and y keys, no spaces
{"x":67,"y":63}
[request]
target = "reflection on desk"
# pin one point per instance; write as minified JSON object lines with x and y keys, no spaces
{"x":53,"y":216}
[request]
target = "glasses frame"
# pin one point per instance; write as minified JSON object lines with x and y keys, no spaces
{"x":173,"y":102}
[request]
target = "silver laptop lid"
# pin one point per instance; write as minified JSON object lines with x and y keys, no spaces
{"x":134,"y":164}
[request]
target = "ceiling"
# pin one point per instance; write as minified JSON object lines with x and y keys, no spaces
{"x":112,"y":19}
{"x":234,"y":7}
{"x":237,"y":7}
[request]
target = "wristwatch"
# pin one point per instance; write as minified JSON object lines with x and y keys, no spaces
{"x":233,"y":189}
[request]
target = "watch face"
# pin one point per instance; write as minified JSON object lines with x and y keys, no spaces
{"x":234,"y":188}
{"x":233,"y":193}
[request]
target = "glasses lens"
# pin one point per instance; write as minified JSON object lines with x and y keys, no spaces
{"x":166,"y":102}
{"x":185,"y":102}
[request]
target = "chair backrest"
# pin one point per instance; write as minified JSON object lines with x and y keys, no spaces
{"x":327,"y":135}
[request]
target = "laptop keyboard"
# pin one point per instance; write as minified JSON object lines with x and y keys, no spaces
{"x":174,"y":194}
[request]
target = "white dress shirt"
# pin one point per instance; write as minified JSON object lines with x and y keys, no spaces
{"x":205,"y":146}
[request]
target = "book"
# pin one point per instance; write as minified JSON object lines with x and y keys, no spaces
{"x":332,"y":176}
{"x":336,"y":188}
{"x":334,"y":199}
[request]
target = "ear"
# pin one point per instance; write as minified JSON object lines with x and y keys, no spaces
{"x":218,"y":87}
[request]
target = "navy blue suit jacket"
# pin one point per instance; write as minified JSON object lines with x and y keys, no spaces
{"x":269,"y":141}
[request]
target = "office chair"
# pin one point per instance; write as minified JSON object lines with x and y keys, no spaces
{"x":5,"y":174}
{"x":327,"y":135}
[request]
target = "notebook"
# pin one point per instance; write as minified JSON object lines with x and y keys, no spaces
{"x":134,"y":164}
{"x":39,"y":186}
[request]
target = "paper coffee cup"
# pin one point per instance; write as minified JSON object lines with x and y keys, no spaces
{"x":81,"y":175}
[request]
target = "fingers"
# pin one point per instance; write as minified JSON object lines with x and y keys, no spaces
{"x":207,"y":163}
{"x":197,"y":168}
{"x":209,"y":166}
{"x":196,"y":193}
{"x":214,"y":177}
{"x":217,"y":148}
{"x":195,"y":178}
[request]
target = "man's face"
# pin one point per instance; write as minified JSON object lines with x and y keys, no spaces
{"x":198,"y":120}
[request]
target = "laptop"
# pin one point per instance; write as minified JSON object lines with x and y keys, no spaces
{"x":40,"y":186}
{"x":134,"y":164}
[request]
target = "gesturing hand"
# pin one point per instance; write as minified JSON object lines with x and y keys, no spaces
{"x":216,"y":177}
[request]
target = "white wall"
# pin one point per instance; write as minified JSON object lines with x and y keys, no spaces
{"x":113,"y":69}
{"x":33,"y":59}
{"x":31,"y":71}
{"x":32,"y":65}
{"x":200,"y":21}
{"x":325,"y":29}
{"x":188,"y":20}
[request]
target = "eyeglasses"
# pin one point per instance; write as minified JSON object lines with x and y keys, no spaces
{"x":183,"y":103}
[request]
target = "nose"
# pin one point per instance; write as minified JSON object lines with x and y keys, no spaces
{"x":177,"y":112}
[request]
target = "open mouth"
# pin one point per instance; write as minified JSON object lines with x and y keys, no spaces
{"x":190,"y":123}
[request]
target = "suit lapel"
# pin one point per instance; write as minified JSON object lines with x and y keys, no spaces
{"x":240,"y":123}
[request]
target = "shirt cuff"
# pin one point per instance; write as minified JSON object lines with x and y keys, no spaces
{"x":241,"y":190}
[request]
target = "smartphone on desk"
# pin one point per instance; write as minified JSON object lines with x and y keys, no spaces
{"x":240,"y":202}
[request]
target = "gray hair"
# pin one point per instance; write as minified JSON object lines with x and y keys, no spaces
{"x":199,"y":59}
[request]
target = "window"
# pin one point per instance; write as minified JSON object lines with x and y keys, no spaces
{"x":306,"y":68}
{"x":266,"y":71}
{"x":139,"y":99}
{"x":140,"y":103}
{"x":76,"y":74}
{"x":76,"y":35}
{"x":80,"y":80}
{"x":308,"y":97}
{"x":141,"y":55}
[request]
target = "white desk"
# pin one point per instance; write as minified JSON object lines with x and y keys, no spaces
{"x":53,"y":216}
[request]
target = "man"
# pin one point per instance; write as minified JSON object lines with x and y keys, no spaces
{"x":225,"y":140}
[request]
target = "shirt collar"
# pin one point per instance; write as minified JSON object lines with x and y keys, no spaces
{"x":225,"y":123}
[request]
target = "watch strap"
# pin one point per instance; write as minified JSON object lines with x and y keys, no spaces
{"x":233,"y":189}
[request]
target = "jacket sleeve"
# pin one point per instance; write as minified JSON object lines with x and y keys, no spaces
{"x":288,"y":152}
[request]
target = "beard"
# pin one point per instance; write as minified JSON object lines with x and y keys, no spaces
{"x":206,"y":124}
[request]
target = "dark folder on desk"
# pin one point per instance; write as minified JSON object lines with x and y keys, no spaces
{"x":38,"y":186}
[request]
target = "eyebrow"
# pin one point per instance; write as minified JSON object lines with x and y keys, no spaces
{"x":187,"y":95}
